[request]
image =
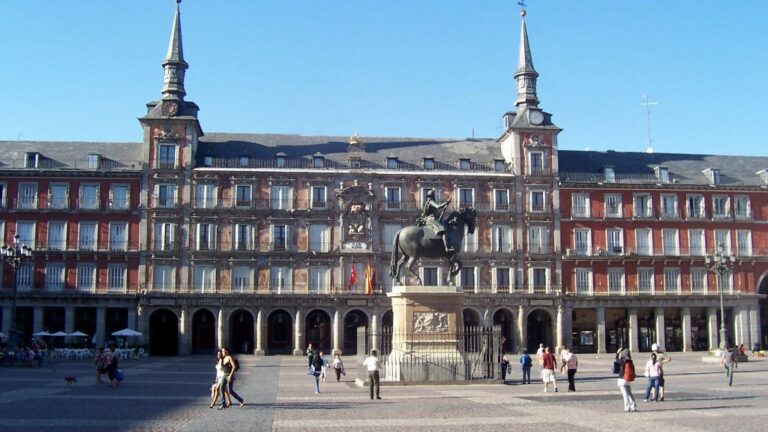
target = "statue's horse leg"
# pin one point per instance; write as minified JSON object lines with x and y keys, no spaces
{"x":409,"y":265}
{"x":455,"y":265}
{"x":399,"y":267}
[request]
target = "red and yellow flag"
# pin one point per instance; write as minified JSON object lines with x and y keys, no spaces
{"x":368,"y":285}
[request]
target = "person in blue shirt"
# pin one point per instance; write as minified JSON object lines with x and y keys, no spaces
{"x":526,"y":362}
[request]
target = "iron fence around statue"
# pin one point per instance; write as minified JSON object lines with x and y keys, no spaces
{"x":471,"y":354}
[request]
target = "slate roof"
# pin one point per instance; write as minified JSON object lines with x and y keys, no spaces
{"x":74,"y":155}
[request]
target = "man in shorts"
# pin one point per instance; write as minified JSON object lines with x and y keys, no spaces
{"x":548,"y":365}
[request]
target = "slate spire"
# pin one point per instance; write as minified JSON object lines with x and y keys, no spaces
{"x":174,"y":64}
{"x":525,"y":75}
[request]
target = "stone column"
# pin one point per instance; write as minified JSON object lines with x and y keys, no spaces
{"x":336,"y":333}
{"x":712,"y":328}
{"x":132,"y":319}
{"x":633,"y":342}
{"x":568,"y":327}
{"x":260,"y":333}
{"x":37,"y":321}
{"x":560,"y":341}
{"x":600,"y":330}
{"x":754,"y":327}
{"x":298,"y":334}
{"x":142,"y":322}
{"x":742,"y":327}
{"x":687,"y":337}
{"x":185,"y":330}
{"x":220,"y":331}
{"x":660,"y":329}
{"x":522,"y":334}
{"x":101,"y":317}
{"x":6,"y":320}
{"x":375,"y":331}
{"x":69,"y":321}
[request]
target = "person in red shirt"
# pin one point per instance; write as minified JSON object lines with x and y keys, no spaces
{"x":548,"y":363}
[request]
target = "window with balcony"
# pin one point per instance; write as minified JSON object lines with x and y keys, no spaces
{"x":470,"y":244}
{"x":392,"y":163}
{"x":467,"y":279}
{"x":392,"y":196}
{"x":93,"y":160}
{"x":27,"y":196}
{"x":536,"y":163}
{"x":609,"y":175}
{"x":614,"y":241}
{"x":464,"y":164}
{"x":616,"y":280}
{"x":536,"y":201}
{"x":741,"y":207}
{"x":501,"y":240}
{"x":583,"y":280}
{"x":205,"y":236}
{"x":280,"y":160}
{"x":319,"y":199}
{"x":280,"y":238}
{"x":669,"y":206}
{"x":696,"y":242}
{"x":31,"y":160}
{"x":502,"y":280}
{"x":242,"y":279}
{"x":501,"y":200}
{"x":582,"y":241}
{"x":204,"y":279}
{"x":743,"y":243}
{"x":580,"y":203}
{"x":720,"y":207}
{"x":671,"y":243}
{"x":539,"y":281}
{"x":672,"y":280}
{"x":643,"y":205}
{"x":2,"y":233}
{"x":723,"y":239}
{"x":429,"y":163}
{"x":319,"y":280}
{"x":205,"y":196}
{"x":695,"y":206}
{"x":466,"y":197}
{"x":163,"y":278}
{"x":118,"y":236}
{"x":429,"y":276}
{"x":243,"y":196}
{"x":25,"y":277}
{"x":643,"y":241}
{"x":498,"y":165}
{"x":662,"y":174}
{"x":119,"y":197}
{"x":280,"y":280}
{"x":165,"y":236}
{"x":57,"y":236}
{"x":318,"y":161}
{"x":86,"y":277}
{"x":26,"y":232}
{"x":166,"y":156}
{"x":58,"y":196}
{"x":116,"y":277}
{"x":165,"y":195}
{"x":645,"y":278}
{"x":3,"y":190}
{"x":319,"y":238}
{"x":613,"y":205}
{"x":724,"y":282}
{"x":89,"y":196}
{"x":698,"y":280}
{"x":244,"y":238}
{"x":86,"y":236}
{"x":538,"y":239}
{"x":389,"y":232}
{"x":54,"y":276}
{"x":281,"y":198}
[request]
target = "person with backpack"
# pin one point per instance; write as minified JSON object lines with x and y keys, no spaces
{"x":626,"y":376}
{"x":526,"y":362}
{"x":230,"y":366}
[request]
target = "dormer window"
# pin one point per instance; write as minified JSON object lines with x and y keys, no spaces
{"x":93,"y":160}
{"x":245,"y":161}
{"x":429,"y":163}
{"x":392,"y":163}
{"x":30,"y":160}
{"x":280,"y":160}
{"x":662,"y":174}
{"x":318,"y":161}
{"x":355,"y":163}
{"x":498,"y":165}
{"x":464,"y":164}
{"x":763,"y":176}
{"x":208,"y":161}
{"x":609,"y":176}
{"x":713,"y":175}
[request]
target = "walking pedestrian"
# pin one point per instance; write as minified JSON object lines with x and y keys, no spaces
{"x":662,"y":358}
{"x":338,"y":367}
{"x":323,"y":369}
{"x":111,"y":365}
{"x":220,"y":384}
{"x":371,"y":364}
{"x":310,"y":354}
{"x":231,"y":366}
{"x":526,"y":362}
{"x":98,"y":361}
{"x":626,"y":376}
{"x":652,"y":371}
{"x":540,"y":355}
{"x":548,"y":365}
{"x":316,"y":366}
{"x":729,"y":362}
{"x":504,"y":366}
{"x":570,"y":363}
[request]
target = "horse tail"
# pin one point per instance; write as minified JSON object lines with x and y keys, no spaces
{"x":393,"y":259}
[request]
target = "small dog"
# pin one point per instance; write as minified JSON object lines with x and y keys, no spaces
{"x":70,"y":380}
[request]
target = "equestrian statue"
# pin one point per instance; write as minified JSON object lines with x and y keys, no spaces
{"x":433,"y":236}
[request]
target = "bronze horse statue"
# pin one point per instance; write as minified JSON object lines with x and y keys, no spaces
{"x":414,"y":242}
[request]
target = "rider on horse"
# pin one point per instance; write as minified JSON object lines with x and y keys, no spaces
{"x":431,"y":215}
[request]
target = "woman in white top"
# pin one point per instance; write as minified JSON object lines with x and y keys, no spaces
{"x":220,"y":384}
{"x":652,"y":371}
{"x":338,"y":367}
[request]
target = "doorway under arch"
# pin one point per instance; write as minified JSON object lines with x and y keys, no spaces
{"x":504,"y":319}
{"x":163,"y":333}
{"x":352,"y":321}
{"x":241,"y":335}
{"x":763,"y":304}
{"x":471,"y":318}
{"x":387,"y":320}
{"x":539,"y":326}
{"x":318,"y":331}
{"x":203,"y":332}
{"x":279,"y":332}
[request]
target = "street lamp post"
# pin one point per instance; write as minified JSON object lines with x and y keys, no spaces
{"x":15,"y":255}
{"x":722,"y":265}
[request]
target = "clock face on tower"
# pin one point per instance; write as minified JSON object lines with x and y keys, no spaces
{"x":535,"y":117}
{"x":170,"y":108}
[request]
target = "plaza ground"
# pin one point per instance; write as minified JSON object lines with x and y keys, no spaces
{"x":172,"y":394}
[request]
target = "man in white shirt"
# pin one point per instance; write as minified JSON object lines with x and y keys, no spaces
{"x":371,"y":364}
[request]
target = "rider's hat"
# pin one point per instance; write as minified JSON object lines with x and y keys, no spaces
{"x":431,"y":193}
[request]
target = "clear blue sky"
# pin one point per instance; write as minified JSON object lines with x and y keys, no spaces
{"x":83,"y":70}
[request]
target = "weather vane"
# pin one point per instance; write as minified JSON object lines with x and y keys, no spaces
{"x":648,"y":104}
{"x":522,"y":7}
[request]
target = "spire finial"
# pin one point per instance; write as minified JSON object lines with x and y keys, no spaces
{"x":522,"y":8}
{"x":526,"y":74}
{"x":174,"y":64}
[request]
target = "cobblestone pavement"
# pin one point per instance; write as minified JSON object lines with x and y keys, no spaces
{"x":172,"y":394}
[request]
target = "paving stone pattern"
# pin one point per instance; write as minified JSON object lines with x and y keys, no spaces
{"x":172,"y":394}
